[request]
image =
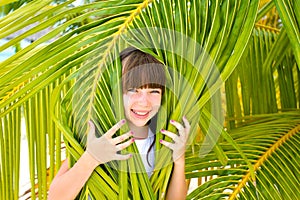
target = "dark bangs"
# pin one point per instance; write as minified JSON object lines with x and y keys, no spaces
{"x":144,"y":76}
{"x":141,"y":70}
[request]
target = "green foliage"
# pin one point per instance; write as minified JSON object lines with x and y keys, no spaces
{"x":71,"y":75}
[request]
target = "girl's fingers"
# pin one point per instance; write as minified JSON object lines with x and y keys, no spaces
{"x":91,"y":125}
{"x":122,"y":138}
{"x":177,"y":125}
{"x":114,"y":129}
{"x":124,"y":145}
{"x":169,"y":134}
{"x":167,"y":144}
{"x":91,"y":135}
{"x":122,"y":157}
{"x":186,"y":123}
{"x":173,"y":136}
{"x":183,"y":130}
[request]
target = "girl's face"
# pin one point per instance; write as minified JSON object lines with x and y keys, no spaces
{"x":141,"y":104}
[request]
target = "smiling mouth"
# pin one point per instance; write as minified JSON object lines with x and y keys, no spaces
{"x":140,"y":113}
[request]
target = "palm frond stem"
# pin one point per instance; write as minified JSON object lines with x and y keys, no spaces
{"x":14,"y":90}
{"x":269,"y":28}
{"x":263,"y":158}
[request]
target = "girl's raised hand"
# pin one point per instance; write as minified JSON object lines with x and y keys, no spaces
{"x":105,"y":148}
{"x":179,"y":140}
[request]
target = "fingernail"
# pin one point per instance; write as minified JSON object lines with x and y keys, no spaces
{"x":184,"y":117}
{"x":131,"y":133}
{"x":123,"y":121}
{"x":130,"y":155}
{"x":132,"y":140}
{"x":162,"y":130}
{"x":172,"y":121}
{"x":160,"y":141}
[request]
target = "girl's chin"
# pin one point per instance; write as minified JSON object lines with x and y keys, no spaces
{"x":139,"y":123}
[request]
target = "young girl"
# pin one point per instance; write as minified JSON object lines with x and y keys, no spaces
{"x":143,"y":80}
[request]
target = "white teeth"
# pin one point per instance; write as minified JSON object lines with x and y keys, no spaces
{"x":140,"y":113}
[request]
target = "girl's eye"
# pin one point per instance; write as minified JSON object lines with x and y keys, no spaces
{"x":155,"y":91}
{"x":134,"y":90}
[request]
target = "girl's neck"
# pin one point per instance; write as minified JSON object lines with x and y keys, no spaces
{"x":139,"y":132}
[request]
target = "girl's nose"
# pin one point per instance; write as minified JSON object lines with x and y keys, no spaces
{"x":143,"y":99}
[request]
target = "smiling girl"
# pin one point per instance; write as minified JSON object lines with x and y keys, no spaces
{"x":143,"y":84}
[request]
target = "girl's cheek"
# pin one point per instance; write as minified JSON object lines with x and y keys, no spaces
{"x":128,"y":97}
{"x":156,"y":99}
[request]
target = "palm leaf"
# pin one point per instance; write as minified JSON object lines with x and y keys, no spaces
{"x":186,"y":33}
{"x":268,"y":64}
{"x":273,"y":153}
{"x":289,"y":13}
{"x":152,"y":15}
{"x":149,"y":36}
{"x":252,"y":90}
{"x":10,"y":154}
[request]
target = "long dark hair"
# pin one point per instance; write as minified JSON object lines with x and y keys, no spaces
{"x":142,"y":70}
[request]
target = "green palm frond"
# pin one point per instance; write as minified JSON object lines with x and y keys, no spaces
{"x":273,"y":152}
{"x":10,"y":154}
{"x":289,"y":14}
{"x":266,"y":79}
{"x":197,"y":68}
{"x":10,"y":5}
{"x":73,"y":72}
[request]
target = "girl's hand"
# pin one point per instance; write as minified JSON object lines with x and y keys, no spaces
{"x":179,"y":140}
{"x":105,"y":148}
